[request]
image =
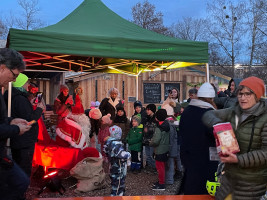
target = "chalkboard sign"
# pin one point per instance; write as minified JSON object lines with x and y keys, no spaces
{"x":169,"y":86}
{"x":152,"y":93}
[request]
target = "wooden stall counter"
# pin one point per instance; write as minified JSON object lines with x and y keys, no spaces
{"x":163,"y":197}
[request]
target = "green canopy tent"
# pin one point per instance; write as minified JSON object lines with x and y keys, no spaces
{"x":93,"y":38}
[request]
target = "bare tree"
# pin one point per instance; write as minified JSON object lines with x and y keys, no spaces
{"x":256,"y":20}
{"x":145,"y":15}
{"x":226,"y":28}
{"x":9,"y":22}
{"x":29,"y":18}
{"x":190,"y":29}
{"x":2,"y":29}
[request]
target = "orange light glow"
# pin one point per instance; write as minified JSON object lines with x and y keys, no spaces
{"x":50,"y":174}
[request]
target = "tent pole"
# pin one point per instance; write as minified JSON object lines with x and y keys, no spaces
{"x":63,"y":78}
{"x":9,"y":114}
{"x":136,"y":79}
{"x":136,"y":82}
{"x":9,"y":99}
{"x":207,"y":72}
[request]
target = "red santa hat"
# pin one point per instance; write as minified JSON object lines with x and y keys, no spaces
{"x":78,"y":108}
{"x":91,"y":152}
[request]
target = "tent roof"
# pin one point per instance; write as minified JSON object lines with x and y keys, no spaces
{"x":93,"y":37}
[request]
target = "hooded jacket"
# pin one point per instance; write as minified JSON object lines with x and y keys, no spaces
{"x":231,"y":99}
{"x":134,"y":138}
{"x":21,"y":107}
{"x":160,"y":139}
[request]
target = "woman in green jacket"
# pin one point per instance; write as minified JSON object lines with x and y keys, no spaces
{"x":245,"y":176}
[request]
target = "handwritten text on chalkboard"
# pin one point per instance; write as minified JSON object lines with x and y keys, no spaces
{"x":152,"y":93}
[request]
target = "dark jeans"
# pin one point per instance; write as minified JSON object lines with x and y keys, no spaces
{"x":13,"y":183}
{"x":23,"y":157}
{"x":136,"y":160}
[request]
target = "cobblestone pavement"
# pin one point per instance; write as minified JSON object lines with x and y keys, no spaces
{"x":136,"y":185}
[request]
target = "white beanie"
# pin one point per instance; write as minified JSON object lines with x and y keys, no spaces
{"x":206,"y":90}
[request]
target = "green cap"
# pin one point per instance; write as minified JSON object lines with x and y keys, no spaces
{"x":20,"y":80}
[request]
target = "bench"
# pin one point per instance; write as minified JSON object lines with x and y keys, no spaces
{"x":163,"y":197}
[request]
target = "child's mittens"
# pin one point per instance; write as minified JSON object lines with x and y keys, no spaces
{"x":128,"y":162}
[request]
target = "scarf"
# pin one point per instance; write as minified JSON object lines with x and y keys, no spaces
{"x":248,"y":112}
{"x":201,"y":104}
{"x":21,"y":89}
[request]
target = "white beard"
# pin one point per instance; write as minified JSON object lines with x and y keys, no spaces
{"x":84,"y":122}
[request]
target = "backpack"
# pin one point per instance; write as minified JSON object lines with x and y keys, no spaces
{"x":151,"y":126}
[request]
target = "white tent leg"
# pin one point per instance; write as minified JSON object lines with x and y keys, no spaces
{"x":9,"y":99}
{"x":9,"y":114}
{"x":207,"y":72}
{"x":136,"y":82}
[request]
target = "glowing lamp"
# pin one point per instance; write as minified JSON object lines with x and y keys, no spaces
{"x":53,"y":183}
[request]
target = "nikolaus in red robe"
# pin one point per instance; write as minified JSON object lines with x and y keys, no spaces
{"x":75,"y":126}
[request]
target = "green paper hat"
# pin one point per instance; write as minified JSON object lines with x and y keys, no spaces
{"x":20,"y":80}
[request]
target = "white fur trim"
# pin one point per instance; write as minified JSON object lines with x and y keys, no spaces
{"x":114,"y":103}
{"x":82,"y":123}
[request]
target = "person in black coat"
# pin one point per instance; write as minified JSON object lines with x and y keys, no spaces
{"x":22,"y":147}
{"x":13,"y":182}
{"x":139,"y":109}
{"x":230,"y":99}
{"x":109,"y":105}
{"x":149,"y":130}
{"x":196,"y":140}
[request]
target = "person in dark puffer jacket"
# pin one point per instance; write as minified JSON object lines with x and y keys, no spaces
{"x":245,"y":175}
